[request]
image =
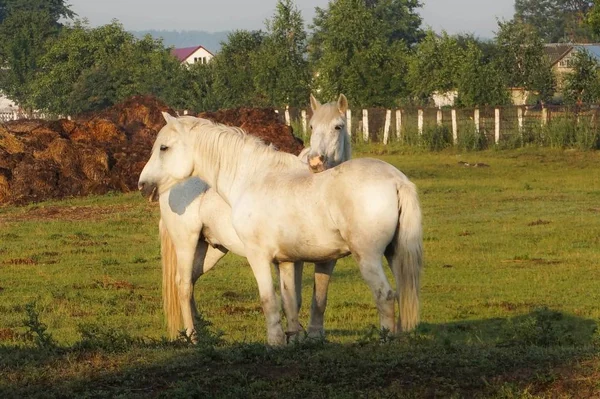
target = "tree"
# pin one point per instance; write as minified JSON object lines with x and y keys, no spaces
{"x":234,"y":69}
{"x":282,"y":72}
{"x":25,"y":34}
{"x":89,"y":69}
{"x":583,"y":84}
{"x":434,"y":66}
{"x":25,"y":28}
{"x":56,"y":9}
{"x":480,"y":82}
{"x":355,"y":53}
{"x":521,"y":57}
{"x":555,"y":20}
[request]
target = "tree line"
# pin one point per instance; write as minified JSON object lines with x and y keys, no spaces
{"x":374,"y":51}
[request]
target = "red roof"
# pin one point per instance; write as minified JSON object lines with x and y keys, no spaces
{"x":183,"y":53}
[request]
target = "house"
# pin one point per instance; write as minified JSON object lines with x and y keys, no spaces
{"x":192,"y":55}
{"x":444,"y":99}
{"x":561,"y":56}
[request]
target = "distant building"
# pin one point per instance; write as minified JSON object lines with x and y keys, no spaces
{"x":6,"y":104}
{"x":561,"y":56}
{"x":192,"y":55}
{"x":446,"y":99}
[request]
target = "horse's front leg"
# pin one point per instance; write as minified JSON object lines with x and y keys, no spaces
{"x":261,"y":267}
{"x":185,"y":285}
{"x":291,"y":290}
{"x":205,"y":259}
{"x":319,"y":300}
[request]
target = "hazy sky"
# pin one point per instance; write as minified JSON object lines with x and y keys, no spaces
{"x":475,"y":16}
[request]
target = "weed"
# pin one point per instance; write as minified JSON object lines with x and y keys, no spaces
{"x":37,"y":331}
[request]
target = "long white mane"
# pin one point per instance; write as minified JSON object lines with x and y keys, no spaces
{"x":230,"y":148}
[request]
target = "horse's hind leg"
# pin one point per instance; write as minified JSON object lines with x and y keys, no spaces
{"x":290,"y":290}
{"x":319,"y":300}
{"x":205,"y":258}
{"x":371,"y":269}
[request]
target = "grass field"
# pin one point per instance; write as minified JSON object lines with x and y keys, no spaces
{"x":510,"y":297}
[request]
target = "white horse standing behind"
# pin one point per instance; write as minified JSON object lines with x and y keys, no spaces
{"x":196,"y":231}
{"x":283,"y":213}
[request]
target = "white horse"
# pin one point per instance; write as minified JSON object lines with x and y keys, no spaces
{"x":196,"y":231}
{"x":283,"y":213}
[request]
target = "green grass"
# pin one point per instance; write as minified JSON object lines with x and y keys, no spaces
{"x":510,"y":298}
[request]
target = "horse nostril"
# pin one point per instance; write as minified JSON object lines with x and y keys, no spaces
{"x":322,"y":158}
{"x":141,"y":186}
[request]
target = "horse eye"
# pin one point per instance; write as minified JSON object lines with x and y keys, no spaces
{"x":164,"y":148}
{"x":338,"y":127}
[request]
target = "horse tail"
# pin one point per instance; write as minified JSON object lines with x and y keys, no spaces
{"x":170,"y":294}
{"x":407,"y":258}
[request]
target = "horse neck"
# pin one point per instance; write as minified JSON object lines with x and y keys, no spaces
{"x":230,"y":162}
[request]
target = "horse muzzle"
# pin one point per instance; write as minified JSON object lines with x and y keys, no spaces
{"x":317,"y":163}
{"x":149,"y":190}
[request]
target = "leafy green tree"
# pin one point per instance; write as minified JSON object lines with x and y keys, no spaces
{"x":592,"y":19}
{"x":583,"y":84}
{"x":555,"y":20}
{"x":23,"y":35}
{"x":56,"y":9}
{"x":479,"y":81}
{"x":197,"y":90}
{"x":282,"y":73}
{"x":234,"y":69}
{"x":434,"y":66}
{"x":354,"y":53}
{"x":89,"y":69}
{"x":25,"y":27}
{"x":521,"y":57}
{"x":399,"y":18}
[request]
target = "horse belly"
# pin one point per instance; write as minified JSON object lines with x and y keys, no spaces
{"x":310,"y":251}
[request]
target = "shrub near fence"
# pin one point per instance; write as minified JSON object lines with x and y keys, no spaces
{"x":468,"y":129}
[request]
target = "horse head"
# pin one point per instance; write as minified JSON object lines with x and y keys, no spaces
{"x":329,"y":140}
{"x":171,"y":159}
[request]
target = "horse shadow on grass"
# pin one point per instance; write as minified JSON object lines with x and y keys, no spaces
{"x":499,"y":357}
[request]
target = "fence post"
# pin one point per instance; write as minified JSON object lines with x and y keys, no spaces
{"x":398,"y":123}
{"x":420,"y":121}
{"x":497,"y":125}
{"x":520,"y":119}
{"x":303,"y":119}
{"x":386,"y":128}
{"x":365,"y":119}
{"x":287,"y":115}
{"x":439,"y":117}
{"x":454,"y":127}
{"x":476,"y":120}
{"x":349,"y":121}
{"x":544,"y":116}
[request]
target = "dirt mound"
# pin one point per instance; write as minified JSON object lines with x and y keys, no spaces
{"x":97,"y":153}
{"x":260,"y":122}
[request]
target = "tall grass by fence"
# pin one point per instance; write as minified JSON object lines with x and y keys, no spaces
{"x":467,"y":129}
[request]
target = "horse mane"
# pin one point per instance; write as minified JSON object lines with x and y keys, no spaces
{"x":222,"y":142}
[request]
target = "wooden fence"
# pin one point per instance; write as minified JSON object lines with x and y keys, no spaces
{"x":385,"y":125}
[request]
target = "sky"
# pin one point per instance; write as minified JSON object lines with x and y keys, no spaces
{"x":454,"y":16}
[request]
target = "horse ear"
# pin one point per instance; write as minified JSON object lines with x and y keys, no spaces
{"x":314,"y":103}
{"x":168,"y":117}
{"x":342,"y":104}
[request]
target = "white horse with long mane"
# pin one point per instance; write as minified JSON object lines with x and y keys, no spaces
{"x":283,"y":213}
{"x":196,"y":231}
